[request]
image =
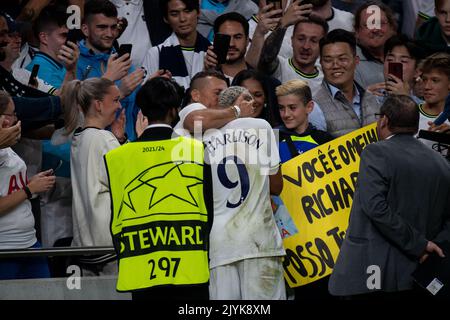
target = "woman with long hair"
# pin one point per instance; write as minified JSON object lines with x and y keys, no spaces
{"x":98,"y":101}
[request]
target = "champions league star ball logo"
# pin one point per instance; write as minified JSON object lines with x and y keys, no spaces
{"x":153,"y":182}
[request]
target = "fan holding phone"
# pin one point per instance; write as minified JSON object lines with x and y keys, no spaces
{"x":221,"y":46}
{"x":231,"y":38}
{"x":394,"y":80}
{"x":400,"y":64}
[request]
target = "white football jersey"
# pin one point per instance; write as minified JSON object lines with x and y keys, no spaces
{"x":242,"y":154}
{"x":287,"y":71}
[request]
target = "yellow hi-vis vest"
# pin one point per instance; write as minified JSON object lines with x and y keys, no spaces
{"x":159,"y":219}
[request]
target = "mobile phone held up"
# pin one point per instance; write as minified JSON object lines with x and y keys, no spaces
{"x":72,"y":37}
{"x":34,"y":72}
{"x":396,"y":69}
{"x":221,"y":45}
{"x":125,"y":48}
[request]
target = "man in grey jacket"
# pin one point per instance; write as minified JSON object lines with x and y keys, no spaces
{"x":400,"y":212}
{"x":345,"y":104}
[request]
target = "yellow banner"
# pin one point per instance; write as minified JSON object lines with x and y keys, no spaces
{"x":318,"y":193}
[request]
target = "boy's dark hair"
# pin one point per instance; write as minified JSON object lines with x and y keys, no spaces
{"x":50,"y":17}
{"x":383,"y":7}
{"x":190,"y":6}
{"x":438,"y":61}
{"x":339,"y":35}
{"x":403,"y":40}
{"x":231,"y":16}
{"x":315,"y":20}
{"x":158,"y":96}
{"x":105,"y":7}
{"x":402,"y":112}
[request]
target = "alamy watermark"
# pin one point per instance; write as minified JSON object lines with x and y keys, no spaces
{"x":374,"y":280}
{"x":74,"y":20}
{"x":374,"y":19}
{"x":74,"y":280}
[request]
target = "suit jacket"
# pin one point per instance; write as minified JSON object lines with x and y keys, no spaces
{"x":402,"y":199}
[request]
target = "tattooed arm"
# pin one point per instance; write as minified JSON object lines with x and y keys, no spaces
{"x":268,"y":62}
{"x":268,"y":19}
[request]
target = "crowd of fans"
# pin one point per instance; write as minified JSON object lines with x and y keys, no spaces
{"x":314,"y":71}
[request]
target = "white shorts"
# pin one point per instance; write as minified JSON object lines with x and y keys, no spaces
{"x":249,"y":279}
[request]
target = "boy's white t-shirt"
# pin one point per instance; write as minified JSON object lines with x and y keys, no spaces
{"x":423,"y":124}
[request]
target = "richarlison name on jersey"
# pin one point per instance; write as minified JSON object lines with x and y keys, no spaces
{"x":232,"y":136}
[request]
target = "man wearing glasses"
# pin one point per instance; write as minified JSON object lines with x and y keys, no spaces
{"x":345,"y":104}
{"x":372,"y":32}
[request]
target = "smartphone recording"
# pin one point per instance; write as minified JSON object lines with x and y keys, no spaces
{"x":125,"y":48}
{"x":221,"y":45}
{"x":396,"y":69}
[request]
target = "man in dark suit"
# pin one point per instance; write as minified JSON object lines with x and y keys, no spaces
{"x":400,"y":212}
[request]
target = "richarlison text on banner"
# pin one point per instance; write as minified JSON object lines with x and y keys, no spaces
{"x":313,"y":212}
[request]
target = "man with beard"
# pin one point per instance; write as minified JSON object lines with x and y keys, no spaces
{"x":323,"y":9}
{"x":236,"y":26}
{"x":305,"y":48}
{"x":99,"y":59}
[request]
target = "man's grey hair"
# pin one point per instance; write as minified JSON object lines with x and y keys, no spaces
{"x":229,"y":96}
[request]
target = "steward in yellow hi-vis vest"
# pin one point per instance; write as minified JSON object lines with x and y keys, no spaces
{"x":160,"y":222}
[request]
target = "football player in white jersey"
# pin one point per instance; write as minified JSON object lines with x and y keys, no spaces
{"x":245,"y":245}
{"x":246,"y":249}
